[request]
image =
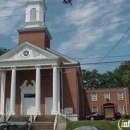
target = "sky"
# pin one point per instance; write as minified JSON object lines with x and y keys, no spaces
{"x":88,"y":31}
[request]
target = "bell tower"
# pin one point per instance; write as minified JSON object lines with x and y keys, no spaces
{"x":34,"y":30}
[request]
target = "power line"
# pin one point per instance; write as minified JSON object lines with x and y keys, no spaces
{"x":96,"y":4}
{"x":113,"y":47}
{"x":118,"y":22}
{"x":18,"y":7}
{"x":100,"y":63}
{"x":102,"y":57}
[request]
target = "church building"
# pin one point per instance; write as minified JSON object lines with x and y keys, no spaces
{"x":35,"y":79}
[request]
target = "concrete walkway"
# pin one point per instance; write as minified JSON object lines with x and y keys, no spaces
{"x":61,"y":126}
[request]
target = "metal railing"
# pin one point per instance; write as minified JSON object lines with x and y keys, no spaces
{"x":55,"y":122}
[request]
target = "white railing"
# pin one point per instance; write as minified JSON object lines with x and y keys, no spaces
{"x":66,"y":114}
{"x":55,"y":122}
{"x":35,"y":115}
{"x":2,"y":118}
{"x":31,"y":118}
{"x":8,"y":114}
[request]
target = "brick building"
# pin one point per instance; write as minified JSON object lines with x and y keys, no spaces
{"x":36,"y":79}
{"x":95,"y":98}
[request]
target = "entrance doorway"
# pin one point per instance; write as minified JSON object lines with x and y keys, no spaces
{"x":48,"y":105}
{"x":29,"y":104}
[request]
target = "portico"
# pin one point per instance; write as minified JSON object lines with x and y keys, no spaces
{"x":37,"y":86}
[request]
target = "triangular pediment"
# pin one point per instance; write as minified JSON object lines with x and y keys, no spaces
{"x":27,"y":51}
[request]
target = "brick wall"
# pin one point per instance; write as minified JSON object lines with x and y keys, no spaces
{"x":113,"y":99}
{"x":37,"y":38}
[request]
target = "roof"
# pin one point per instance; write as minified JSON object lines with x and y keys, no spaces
{"x":27,"y":54}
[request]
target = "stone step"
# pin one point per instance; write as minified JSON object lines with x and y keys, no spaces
{"x":19,"y":118}
{"x":42,"y":126}
{"x":45,"y":118}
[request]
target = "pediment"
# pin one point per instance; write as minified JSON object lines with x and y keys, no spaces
{"x":26,"y":86}
{"x":27,"y":51}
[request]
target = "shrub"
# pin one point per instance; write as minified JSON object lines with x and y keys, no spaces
{"x":126,"y":116}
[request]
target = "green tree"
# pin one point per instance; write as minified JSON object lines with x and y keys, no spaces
{"x":123,"y":74}
{"x":91,"y":79}
{"x":3,"y":50}
{"x":120,"y":77}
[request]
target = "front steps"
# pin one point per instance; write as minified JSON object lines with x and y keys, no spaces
{"x":19,"y":118}
{"x":43,"y":122}
{"x":42,"y":126}
{"x":45,"y":118}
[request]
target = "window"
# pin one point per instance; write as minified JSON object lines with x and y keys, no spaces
{"x":107,"y":96}
{"x":120,"y":95}
{"x":33,"y":14}
{"x":94,"y":97}
{"x":94,"y":109}
{"x":121,"y":109}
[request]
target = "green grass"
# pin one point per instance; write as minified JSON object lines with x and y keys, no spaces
{"x":107,"y":125}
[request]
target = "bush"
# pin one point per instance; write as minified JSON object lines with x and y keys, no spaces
{"x":126,"y":116}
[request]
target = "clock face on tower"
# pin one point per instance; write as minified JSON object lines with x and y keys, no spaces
{"x":26,"y":53}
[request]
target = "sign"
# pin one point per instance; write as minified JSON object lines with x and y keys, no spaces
{"x":123,"y":124}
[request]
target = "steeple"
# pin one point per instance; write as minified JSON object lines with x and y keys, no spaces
{"x":35,"y":13}
{"x":34,"y":29}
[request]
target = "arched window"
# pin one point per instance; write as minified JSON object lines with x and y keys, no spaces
{"x":33,"y":14}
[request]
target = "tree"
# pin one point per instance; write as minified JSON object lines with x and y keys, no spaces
{"x":3,"y":50}
{"x":120,"y":77}
{"x":123,"y":74}
{"x":91,"y":79}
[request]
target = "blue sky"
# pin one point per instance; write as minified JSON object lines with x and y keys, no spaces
{"x":76,"y":29}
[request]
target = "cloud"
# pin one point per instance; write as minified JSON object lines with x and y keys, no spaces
{"x":115,"y":37}
{"x":85,"y":20}
{"x":11,"y":13}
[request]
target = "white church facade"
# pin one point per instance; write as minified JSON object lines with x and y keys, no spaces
{"x":36,"y":79}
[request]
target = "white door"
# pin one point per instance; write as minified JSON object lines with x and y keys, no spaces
{"x":48,"y":105}
{"x":7,"y":104}
{"x":29,"y":104}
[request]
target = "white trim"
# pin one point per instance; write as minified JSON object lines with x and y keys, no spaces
{"x":122,"y":109}
{"x":108,"y":96}
{"x":27,"y":45}
{"x":95,"y":107}
{"x":33,"y":62}
{"x":45,"y":103}
{"x":26,"y":90}
{"x":122,"y":96}
{"x":92,"y":97}
{"x":3,"y":86}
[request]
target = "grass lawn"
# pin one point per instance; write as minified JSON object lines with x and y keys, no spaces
{"x":107,"y":125}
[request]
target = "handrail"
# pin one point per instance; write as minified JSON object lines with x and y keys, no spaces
{"x":55,"y":122}
{"x":2,"y":118}
{"x":66,"y":114}
{"x":31,"y":118}
{"x":35,"y":115}
{"x":8,"y":114}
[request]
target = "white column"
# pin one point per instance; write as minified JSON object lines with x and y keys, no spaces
{"x":58,"y":80}
{"x":55,"y":92}
{"x":38,"y":91}
{"x":13,"y":92}
{"x":3,"y":83}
